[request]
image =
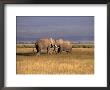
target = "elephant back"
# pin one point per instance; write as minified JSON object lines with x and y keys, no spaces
{"x":59,"y":42}
{"x":45,"y":42}
{"x":67,"y":44}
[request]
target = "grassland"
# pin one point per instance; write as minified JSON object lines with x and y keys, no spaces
{"x":80,"y":61}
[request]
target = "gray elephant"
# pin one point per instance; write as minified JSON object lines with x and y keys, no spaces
{"x":44,"y":44}
{"x":63,"y":46}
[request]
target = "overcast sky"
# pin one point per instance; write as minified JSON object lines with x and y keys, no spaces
{"x":66,"y":27}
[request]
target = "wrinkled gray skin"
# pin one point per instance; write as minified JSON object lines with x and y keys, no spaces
{"x":53,"y":46}
{"x":63,"y":46}
{"x":44,"y":44}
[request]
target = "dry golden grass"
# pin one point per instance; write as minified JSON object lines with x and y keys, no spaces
{"x":80,"y":61}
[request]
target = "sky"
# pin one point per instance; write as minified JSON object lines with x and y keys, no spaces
{"x":74,"y":28}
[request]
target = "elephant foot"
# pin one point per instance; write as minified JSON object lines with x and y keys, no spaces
{"x":38,"y":54}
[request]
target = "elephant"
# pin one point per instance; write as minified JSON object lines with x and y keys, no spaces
{"x":44,"y":43}
{"x":63,"y":46}
{"x":50,"y":49}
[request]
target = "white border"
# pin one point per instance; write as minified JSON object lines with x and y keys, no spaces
{"x":96,"y":80}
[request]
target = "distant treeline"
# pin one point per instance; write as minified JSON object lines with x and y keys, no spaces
{"x":73,"y":46}
{"x":83,"y":46}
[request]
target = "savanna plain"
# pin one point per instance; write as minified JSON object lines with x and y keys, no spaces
{"x":79,"y":61}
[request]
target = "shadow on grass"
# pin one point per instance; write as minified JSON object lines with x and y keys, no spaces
{"x":28,"y":54}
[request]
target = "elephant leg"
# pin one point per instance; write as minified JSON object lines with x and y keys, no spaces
{"x":71,"y":50}
{"x":38,"y":53}
{"x":47,"y":50}
{"x":54,"y":50}
{"x":33,"y":50}
{"x":50,"y":50}
{"x":38,"y":50}
{"x":60,"y":49}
